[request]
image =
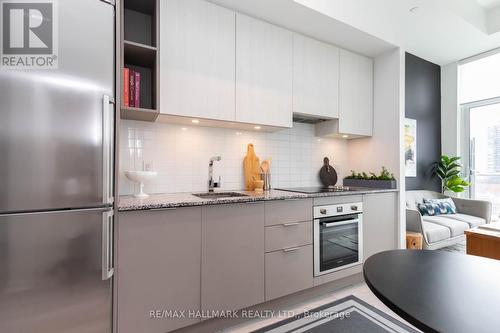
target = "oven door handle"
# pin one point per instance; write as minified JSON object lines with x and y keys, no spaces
{"x":336,"y":224}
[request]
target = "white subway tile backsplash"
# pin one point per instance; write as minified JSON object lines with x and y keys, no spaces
{"x":180,"y":154}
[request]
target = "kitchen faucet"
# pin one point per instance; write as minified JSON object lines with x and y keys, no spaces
{"x":211,"y":183}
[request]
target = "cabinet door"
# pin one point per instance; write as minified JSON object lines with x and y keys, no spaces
{"x":158,"y":268}
{"x":197,"y":64}
{"x":356,"y":94}
{"x":315,"y":78}
{"x":380,"y":223}
{"x":232,"y":256}
{"x":263,"y":73}
{"x":289,"y":271}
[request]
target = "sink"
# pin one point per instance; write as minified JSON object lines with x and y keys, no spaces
{"x":219,"y":195}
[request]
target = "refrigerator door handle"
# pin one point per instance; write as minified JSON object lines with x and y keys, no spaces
{"x":107,"y":149}
{"x":62,"y":211}
{"x":107,"y":245}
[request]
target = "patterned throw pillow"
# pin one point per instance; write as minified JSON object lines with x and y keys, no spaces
{"x":446,"y":201}
{"x":437,"y":207}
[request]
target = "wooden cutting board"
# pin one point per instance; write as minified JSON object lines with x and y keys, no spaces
{"x":251,"y":167}
{"x":327,"y":173}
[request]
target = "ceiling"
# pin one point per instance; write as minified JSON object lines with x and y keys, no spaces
{"x":298,"y":18}
{"x":441,"y":31}
{"x":488,"y":4}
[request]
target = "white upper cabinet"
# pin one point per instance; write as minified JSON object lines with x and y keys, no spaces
{"x":356,"y":94}
{"x":315,"y":78}
{"x":197,"y":64}
{"x":263,"y":73}
{"x":220,"y":65}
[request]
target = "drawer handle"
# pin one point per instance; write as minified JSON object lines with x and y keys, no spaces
{"x":291,"y":249}
{"x":290,"y":224}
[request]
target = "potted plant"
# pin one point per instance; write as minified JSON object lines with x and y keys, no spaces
{"x":448,"y":170}
{"x":384,"y":180}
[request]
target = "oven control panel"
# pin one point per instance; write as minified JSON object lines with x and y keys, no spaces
{"x":340,"y":209}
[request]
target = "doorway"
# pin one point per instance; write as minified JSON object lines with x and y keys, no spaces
{"x":482,"y":140}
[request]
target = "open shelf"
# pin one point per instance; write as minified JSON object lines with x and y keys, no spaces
{"x":147,"y":7}
{"x":139,"y":54}
{"x":139,"y":26}
{"x":138,"y":113}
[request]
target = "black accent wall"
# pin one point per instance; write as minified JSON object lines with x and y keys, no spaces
{"x":423,"y":103}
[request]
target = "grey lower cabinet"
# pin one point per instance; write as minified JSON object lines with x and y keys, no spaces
{"x":288,"y":211}
{"x":158,"y":268}
{"x":288,"y":271}
{"x":226,"y":257}
{"x":289,"y":251}
{"x":380,"y":223}
{"x":232,"y":270}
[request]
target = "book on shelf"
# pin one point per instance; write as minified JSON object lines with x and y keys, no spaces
{"x":132,"y":88}
{"x":126,"y":74}
{"x":137,"y":85}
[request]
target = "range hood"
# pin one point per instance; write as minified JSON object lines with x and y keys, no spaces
{"x":330,"y":128}
{"x":306,"y":119}
{"x":325,"y":127}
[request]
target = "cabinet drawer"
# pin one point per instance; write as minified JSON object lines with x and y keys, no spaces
{"x":286,"y":211}
{"x":287,"y":235}
{"x":289,"y":271}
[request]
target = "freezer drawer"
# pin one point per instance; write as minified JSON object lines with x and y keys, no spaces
{"x":51,"y":272}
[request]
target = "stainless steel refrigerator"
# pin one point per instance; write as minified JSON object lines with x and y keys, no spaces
{"x":56,"y":181}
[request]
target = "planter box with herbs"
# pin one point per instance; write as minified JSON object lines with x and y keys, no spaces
{"x":385,"y":180}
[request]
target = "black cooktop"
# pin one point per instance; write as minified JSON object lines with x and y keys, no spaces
{"x":316,"y":189}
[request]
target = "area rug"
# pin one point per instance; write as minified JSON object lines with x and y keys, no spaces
{"x":347,"y":315}
{"x":457,"y":248}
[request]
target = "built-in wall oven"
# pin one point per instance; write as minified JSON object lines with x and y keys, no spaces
{"x":338,"y":237}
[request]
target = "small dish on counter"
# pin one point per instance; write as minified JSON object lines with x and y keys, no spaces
{"x":141,"y":177}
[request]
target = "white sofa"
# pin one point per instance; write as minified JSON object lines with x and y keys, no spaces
{"x":444,"y":230}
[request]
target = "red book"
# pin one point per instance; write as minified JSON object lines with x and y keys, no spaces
{"x":126,"y":87}
{"x":131,"y":80}
{"x":137,"y":89}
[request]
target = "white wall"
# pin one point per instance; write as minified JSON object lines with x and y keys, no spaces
{"x":450,"y":119}
{"x":385,"y":147}
{"x":181,"y":156}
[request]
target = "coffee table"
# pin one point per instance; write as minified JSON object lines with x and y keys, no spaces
{"x":484,"y":242}
{"x":438,"y":291}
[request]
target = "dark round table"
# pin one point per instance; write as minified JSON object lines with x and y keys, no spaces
{"x":438,"y":291}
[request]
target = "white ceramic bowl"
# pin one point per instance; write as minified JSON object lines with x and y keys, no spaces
{"x":141,"y":177}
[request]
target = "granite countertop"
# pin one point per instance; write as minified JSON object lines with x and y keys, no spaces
{"x":175,"y":200}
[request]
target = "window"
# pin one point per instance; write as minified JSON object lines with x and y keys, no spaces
{"x":484,"y":152}
{"x":480,"y":79}
{"x":479,"y":89}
